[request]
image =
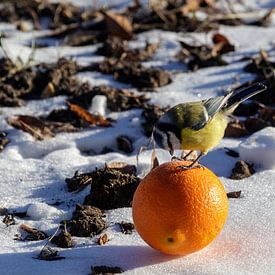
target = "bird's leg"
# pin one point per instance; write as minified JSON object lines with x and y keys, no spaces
{"x":184,"y":157}
{"x":192,"y":165}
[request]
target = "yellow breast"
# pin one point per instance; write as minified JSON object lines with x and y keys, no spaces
{"x":206,"y":138}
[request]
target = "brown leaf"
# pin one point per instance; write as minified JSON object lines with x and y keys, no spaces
{"x":218,"y":38}
{"x":242,"y":170}
{"x":8,"y":220}
{"x":234,"y":194}
{"x":33,"y":233}
{"x":127,"y":227}
{"x":49,"y":254}
{"x":236,"y":129}
{"x":118,"y":25}
{"x":32,"y":125}
{"x":103,"y":239}
{"x":221,"y":45}
{"x":123,"y":167}
{"x":103,"y":269}
{"x":95,"y":120}
{"x":190,"y":6}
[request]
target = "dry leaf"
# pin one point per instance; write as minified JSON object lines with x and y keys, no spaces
{"x":118,"y":25}
{"x":221,"y":45}
{"x":190,"y":6}
{"x":34,"y":126}
{"x":236,"y":129}
{"x":103,"y":239}
{"x":33,"y":233}
{"x":234,"y":194}
{"x":48,"y":254}
{"x":123,"y":167}
{"x":95,"y":120}
{"x":218,"y":38}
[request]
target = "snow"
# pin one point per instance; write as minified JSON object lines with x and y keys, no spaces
{"x":99,"y":105}
{"x":33,"y":172}
{"x":259,"y":148}
{"x":38,"y":211}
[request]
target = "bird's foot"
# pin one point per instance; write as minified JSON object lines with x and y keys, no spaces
{"x":188,"y":167}
{"x":174,"y":158}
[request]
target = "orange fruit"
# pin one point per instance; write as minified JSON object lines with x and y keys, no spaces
{"x":179,"y":211}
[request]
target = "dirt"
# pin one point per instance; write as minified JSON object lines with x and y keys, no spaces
{"x":103,"y":269}
{"x":87,"y":221}
{"x":202,"y":56}
{"x":111,"y":189}
{"x":78,"y":181}
{"x":57,"y":14}
{"x":234,"y":194}
{"x":31,"y":234}
{"x":117,"y":99}
{"x":118,"y":48}
{"x":134,"y":73}
{"x":3,"y":140}
{"x":236,"y":129}
{"x":19,"y":83}
{"x":127,"y":227}
{"x":63,"y":239}
{"x":103,"y":239}
{"x":9,"y":220}
{"x":242,"y":170}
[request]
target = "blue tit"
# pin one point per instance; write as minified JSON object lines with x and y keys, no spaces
{"x":200,"y":126}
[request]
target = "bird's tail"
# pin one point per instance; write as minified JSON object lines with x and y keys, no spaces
{"x":240,"y":95}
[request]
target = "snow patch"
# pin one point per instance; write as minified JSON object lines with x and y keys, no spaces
{"x":39,"y":211}
{"x":259,"y":149}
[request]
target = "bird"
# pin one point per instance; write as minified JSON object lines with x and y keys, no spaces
{"x":199,"y":126}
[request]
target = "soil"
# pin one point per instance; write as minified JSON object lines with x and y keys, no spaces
{"x":134,"y":73}
{"x":87,"y":221}
{"x":103,"y":269}
{"x":127,"y":227}
{"x":63,"y":239}
{"x":111,"y":189}
{"x":117,"y":100}
{"x":3,"y":140}
{"x":242,"y":170}
{"x":234,"y":194}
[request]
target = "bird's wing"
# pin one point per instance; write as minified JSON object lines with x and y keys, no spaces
{"x":211,"y":107}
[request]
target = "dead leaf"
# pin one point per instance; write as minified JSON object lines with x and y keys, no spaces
{"x":242,"y":170}
{"x":218,"y":38}
{"x":40,"y":128}
{"x":221,"y":45}
{"x":32,"y":125}
{"x":33,"y":233}
{"x":103,"y":239}
{"x":127,"y":227}
{"x":92,"y":119}
{"x":123,"y":167}
{"x":234,"y":194}
{"x":190,"y":6}
{"x":236,"y":129}
{"x":48,"y":254}
{"x":118,"y":25}
{"x":8,"y":220}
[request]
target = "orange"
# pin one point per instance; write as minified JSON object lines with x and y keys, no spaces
{"x":179,"y":211}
